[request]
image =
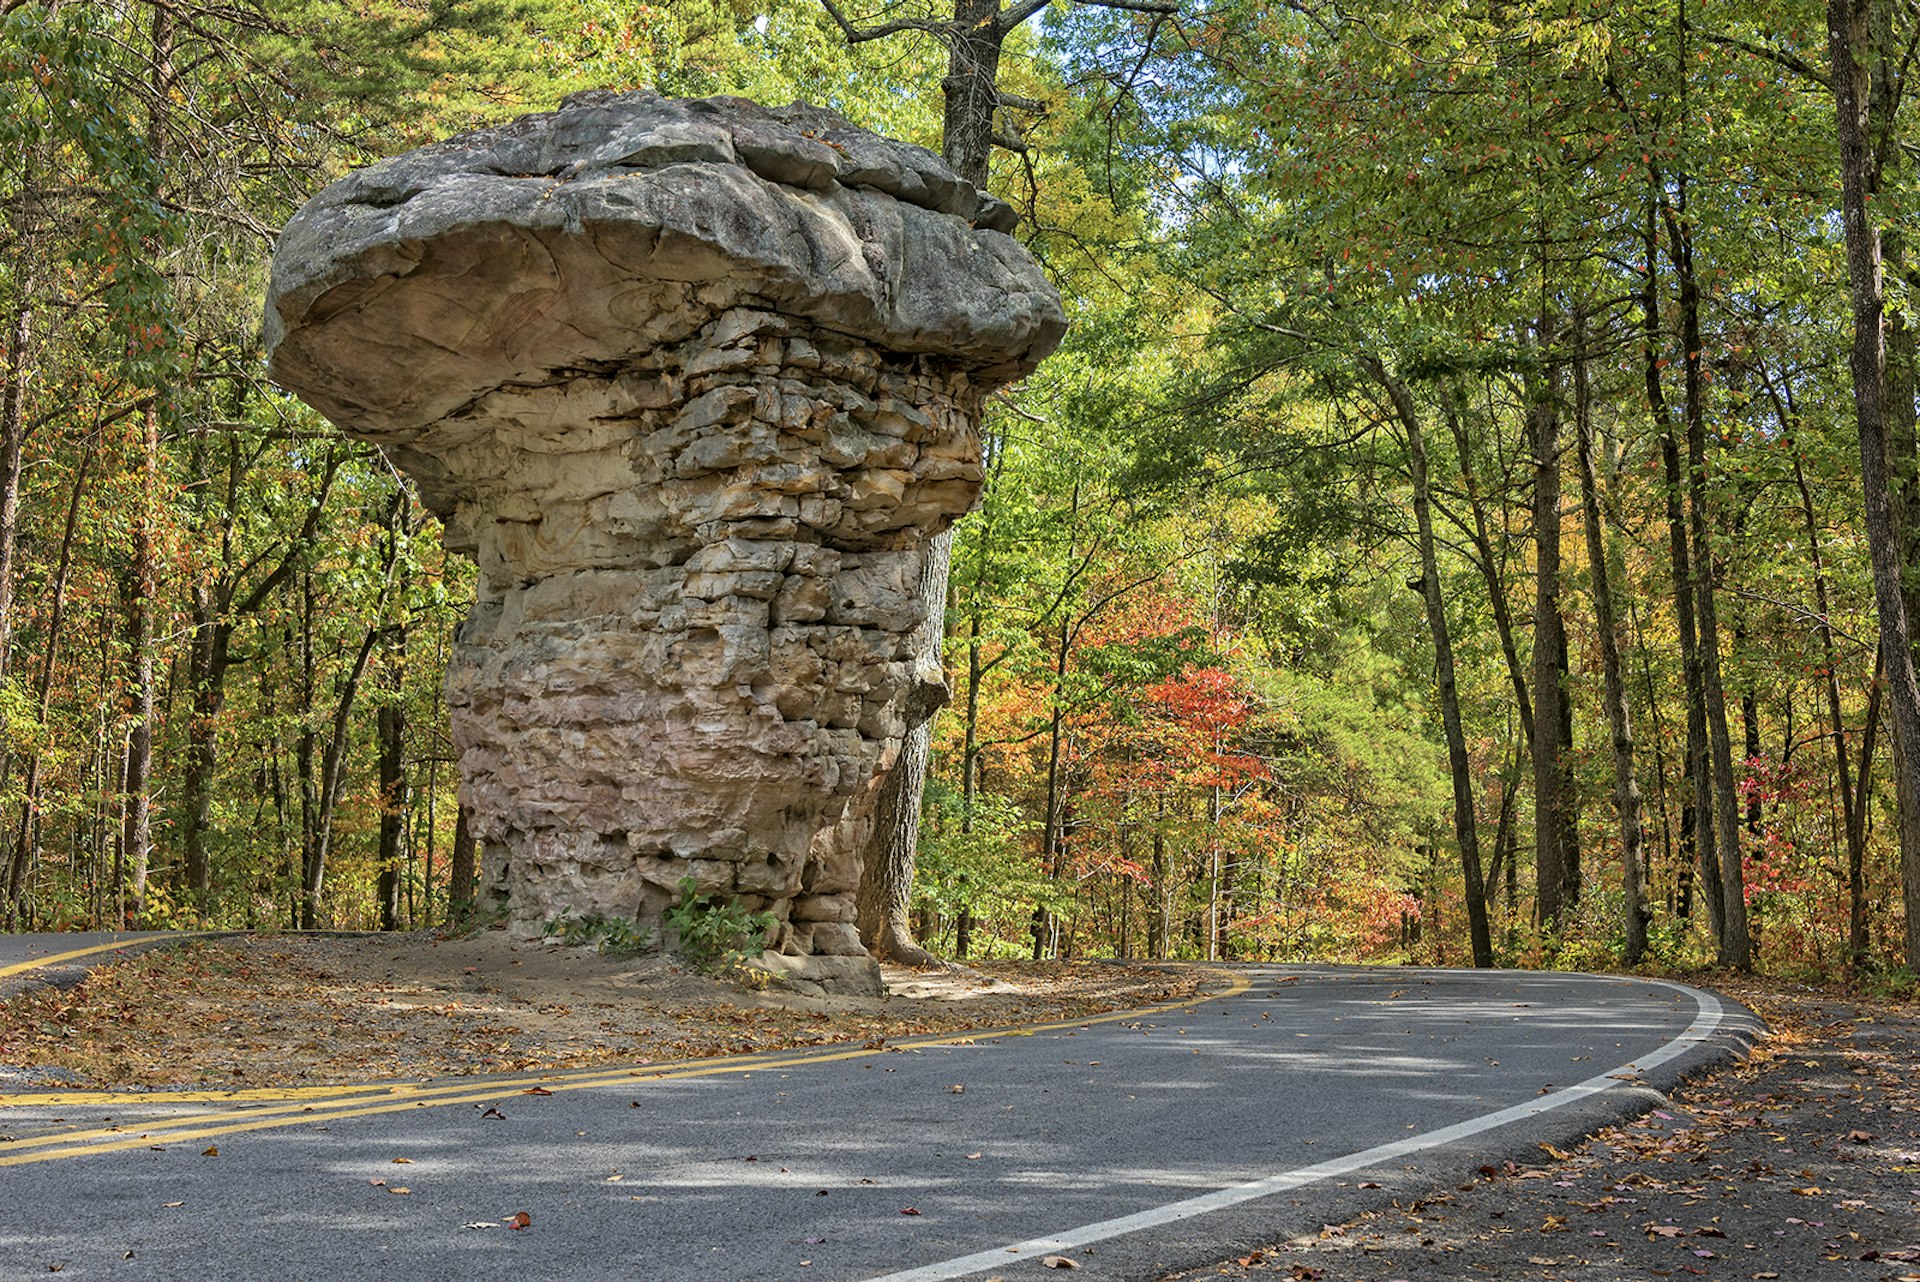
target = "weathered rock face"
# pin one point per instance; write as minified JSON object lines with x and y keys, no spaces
{"x":694,"y":382}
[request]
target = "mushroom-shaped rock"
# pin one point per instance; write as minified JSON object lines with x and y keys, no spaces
{"x":695,"y":382}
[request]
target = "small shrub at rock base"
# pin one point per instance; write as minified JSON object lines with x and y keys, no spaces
{"x":614,"y":936}
{"x":716,"y":933}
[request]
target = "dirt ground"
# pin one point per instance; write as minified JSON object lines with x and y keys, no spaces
{"x":1801,"y":1164}
{"x":285,"y":1010}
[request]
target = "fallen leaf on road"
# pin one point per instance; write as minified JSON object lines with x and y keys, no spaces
{"x":537,"y":1090}
{"x":974,"y":1157}
{"x":1060,"y":1262}
{"x":518,"y":1221}
{"x":400,"y":1190}
{"x":212,"y":1150}
{"x":402,"y":1161}
{"x":909,"y":1210}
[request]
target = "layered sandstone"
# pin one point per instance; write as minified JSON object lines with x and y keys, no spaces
{"x":695,"y":382}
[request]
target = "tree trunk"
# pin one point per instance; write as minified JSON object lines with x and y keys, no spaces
{"x":1157,"y":923}
{"x":462,"y":871}
{"x":13,"y":432}
{"x":1848,"y":40}
{"x":886,"y":878}
{"x":13,"y":435}
{"x":1836,"y":725}
{"x":885,"y":897}
{"x":1549,"y":646}
{"x":391,"y":731}
{"x":136,"y":839}
{"x":1735,"y":945}
{"x":217,"y":610}
{"x":1465,"y":828}
{"x":1490,"y":572}
{"x":971,"y":96}
{"x":325,"y":790}
{"x":206,"y":667}
{"x":1626,"y":789}
{"x":1696,"y":809}
{"x":1050,"y":840}
{"x":970,"y":90}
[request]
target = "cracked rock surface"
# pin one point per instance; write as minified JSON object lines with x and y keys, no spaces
{"x":695,"y":382}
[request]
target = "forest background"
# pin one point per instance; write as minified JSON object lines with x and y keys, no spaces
{"x":1445,"y":534}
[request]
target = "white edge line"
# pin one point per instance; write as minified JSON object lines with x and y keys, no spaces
{"x":1706,"y":1022}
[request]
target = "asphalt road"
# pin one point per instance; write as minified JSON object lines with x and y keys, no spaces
{"x":64,"y":959}
{"x":1133,"y":1145}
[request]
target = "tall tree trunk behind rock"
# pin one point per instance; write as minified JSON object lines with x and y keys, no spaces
{"x":970,"y":91}
{"x":462,"y":867}
{"x":882,"y":905}
{"x":887,"y":863}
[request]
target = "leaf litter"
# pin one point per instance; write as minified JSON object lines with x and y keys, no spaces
{"x":283,"y":1010}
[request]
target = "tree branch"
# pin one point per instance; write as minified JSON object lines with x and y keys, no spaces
{"x":860,"y":35}
{"x":1165,"y":8}
{"x":1779,"y":57}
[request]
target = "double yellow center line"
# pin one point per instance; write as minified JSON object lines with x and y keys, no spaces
{"x":304,"y":1106}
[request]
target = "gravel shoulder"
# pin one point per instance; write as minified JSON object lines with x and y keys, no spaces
{"x":1801,"y":1163}
{"x":300,"y":1010}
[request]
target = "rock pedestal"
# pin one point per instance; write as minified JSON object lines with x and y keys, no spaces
{"x":695,"y":382}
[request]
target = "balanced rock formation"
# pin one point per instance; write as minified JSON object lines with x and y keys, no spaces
{"x":695,"y":382}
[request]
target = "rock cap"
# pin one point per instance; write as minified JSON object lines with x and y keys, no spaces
{"x":571,"y":239}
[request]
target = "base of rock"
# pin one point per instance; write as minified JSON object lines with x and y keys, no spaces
{"x":821,"y":976}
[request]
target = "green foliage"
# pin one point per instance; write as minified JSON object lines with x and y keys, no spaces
{"x":715,"y":933}
{"x":60,"y":105}
{"x":981,"y":864}
{"x":613,"y":936}
{"x":1902,"y":985}
{"x":1205,"y":485}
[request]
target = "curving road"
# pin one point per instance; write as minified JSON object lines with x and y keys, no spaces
{"x":1133,"y":1144}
